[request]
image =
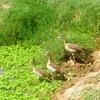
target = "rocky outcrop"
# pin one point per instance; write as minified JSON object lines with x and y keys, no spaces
{"x":90,"y":80}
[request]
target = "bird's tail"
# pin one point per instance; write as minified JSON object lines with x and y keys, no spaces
{"x":87,"y":50}
{"x":60,"y":71}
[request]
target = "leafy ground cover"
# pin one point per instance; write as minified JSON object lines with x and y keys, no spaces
{"x":17,"y":80}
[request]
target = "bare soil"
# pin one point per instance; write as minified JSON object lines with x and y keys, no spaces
{"x":82,"y":76}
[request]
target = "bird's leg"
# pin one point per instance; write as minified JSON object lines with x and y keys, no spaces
{"x":73,"y":56}
{"x":41,"y":79}
{"x":54,"y":76}
{"x":70,"y":58}
{"x":63,"y":77}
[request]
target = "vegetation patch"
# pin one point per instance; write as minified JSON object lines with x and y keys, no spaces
{"x":16,"y":78}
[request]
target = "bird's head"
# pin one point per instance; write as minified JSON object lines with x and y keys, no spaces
{"x":32,"y":61}
{"x":61,"y":36}
{"x":33,"y":69}
{"x":47,"y":53}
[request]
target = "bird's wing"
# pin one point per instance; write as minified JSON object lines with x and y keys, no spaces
{"x":75,"y":46}
{"x":54,"y":65}
{"x":45,"y":74}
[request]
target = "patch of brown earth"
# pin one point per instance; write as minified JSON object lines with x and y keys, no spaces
{"x":96,"y":55}
{"x":82,"y":76}
{"x":91,"y":80}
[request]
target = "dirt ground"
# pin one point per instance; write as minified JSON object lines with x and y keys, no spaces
{"x":79,"y":78}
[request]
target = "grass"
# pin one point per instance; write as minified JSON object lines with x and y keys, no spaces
{"x":25,"y":19}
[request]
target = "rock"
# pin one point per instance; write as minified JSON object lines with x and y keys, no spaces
{"x":91,"y":80}
{"x":96,"y":55}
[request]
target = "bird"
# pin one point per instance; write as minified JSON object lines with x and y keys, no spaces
{"x":52,"y":66}
{"x":41,"y":73}
{"x":70,"y":47}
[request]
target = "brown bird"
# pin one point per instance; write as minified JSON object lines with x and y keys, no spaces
{"x":38,"y":71}
{"x":41,"y":73}
{"x":52,"y":66}
{"x":71,"y":48}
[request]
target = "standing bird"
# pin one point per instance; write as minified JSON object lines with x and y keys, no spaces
{"x":41,"y":73}
{"x":71,"y":48}
{"x":52,"y":66}
{"x":38,"y":71}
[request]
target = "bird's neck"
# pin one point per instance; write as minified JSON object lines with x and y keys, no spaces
{"x":49,"y":59}
{"x":65,"y":41}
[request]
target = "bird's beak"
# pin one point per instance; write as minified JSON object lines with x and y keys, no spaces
{"x":46,"y":53}
{"x":58,"y":37}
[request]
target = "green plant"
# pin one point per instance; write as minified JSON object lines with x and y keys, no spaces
{"x":17,"y":80}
